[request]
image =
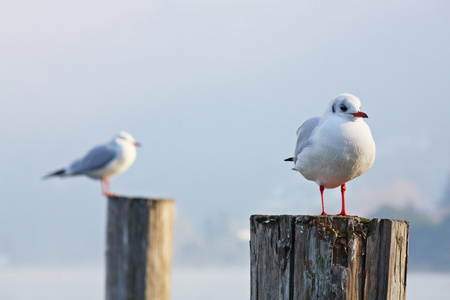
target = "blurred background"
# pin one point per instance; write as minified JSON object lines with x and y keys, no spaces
{"x":215,"y":91}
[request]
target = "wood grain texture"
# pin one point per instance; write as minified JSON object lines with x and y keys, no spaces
{"x":327,"y":257}
{"x":139,"y":248}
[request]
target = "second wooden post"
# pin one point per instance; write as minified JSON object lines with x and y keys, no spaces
{"x":315,"y":257}
{"x":139,"y":248}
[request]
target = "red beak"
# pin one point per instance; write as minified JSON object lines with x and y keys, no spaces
{"x":360,"y":114}
{"x":137,"y":144}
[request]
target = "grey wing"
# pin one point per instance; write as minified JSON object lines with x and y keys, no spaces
{"x":97,"y":158}
{"x":304,"y":133}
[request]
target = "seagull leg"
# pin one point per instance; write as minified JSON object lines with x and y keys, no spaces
{"x":104,"y":192}
{"x":106,"y":187}
{"x":343,"y":213}
{"x":323,"y":206}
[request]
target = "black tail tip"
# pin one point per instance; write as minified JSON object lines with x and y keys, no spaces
{"x":289,"y":159}
{"x":56,"y":173}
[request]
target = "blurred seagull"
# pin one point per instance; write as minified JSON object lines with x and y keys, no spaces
{"x":335,"y":148}
{"x":104,"y":161}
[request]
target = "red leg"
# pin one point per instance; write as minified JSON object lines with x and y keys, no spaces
{"x":323,"y":206}
{"x":106,"y":187}
{"x":343,"y":213}
{"x":103,"y":187}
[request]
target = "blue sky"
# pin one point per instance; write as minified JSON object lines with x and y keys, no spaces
{"x":214,"y":90}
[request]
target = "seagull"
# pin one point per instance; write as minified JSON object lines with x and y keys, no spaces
{"x":104,"y":161}
{"x":335,"y":148}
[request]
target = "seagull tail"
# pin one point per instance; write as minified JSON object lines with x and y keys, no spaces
{"x":289,"y":159}
{"x":59,"y":173}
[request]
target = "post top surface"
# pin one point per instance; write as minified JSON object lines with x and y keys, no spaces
{"x":129,"y":198}
{"x":268,"y":218}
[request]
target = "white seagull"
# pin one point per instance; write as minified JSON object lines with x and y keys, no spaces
{"x":104,"y":161}
{"x":335,"y":148}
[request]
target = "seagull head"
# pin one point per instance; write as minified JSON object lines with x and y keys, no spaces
{"x":124,"y":136}
{"x":346,"y":106}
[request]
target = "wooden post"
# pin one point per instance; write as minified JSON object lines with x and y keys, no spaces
{"x":328,"y":257}
{"x":139,"y":248}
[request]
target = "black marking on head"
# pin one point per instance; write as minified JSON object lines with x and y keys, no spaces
{"x":332,"y":108}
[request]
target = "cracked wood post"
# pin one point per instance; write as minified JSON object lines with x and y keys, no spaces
{"x":139,"y":248}
{"x":328,"y":257}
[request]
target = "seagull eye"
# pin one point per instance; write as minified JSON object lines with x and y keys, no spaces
{"x":343,"y":107}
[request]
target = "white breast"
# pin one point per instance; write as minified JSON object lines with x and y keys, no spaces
{"x":339,"y":152}
{"x":126,"y":155}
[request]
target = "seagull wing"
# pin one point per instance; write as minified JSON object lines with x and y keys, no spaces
{"x":95,"y":159}
{"x":304,"y":133}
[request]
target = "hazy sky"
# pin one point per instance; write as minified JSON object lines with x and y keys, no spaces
{"x":214,"y":90}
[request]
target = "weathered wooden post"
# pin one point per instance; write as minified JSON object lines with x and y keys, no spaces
{"x":139,"y":248}
{"x":328,"y":257}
